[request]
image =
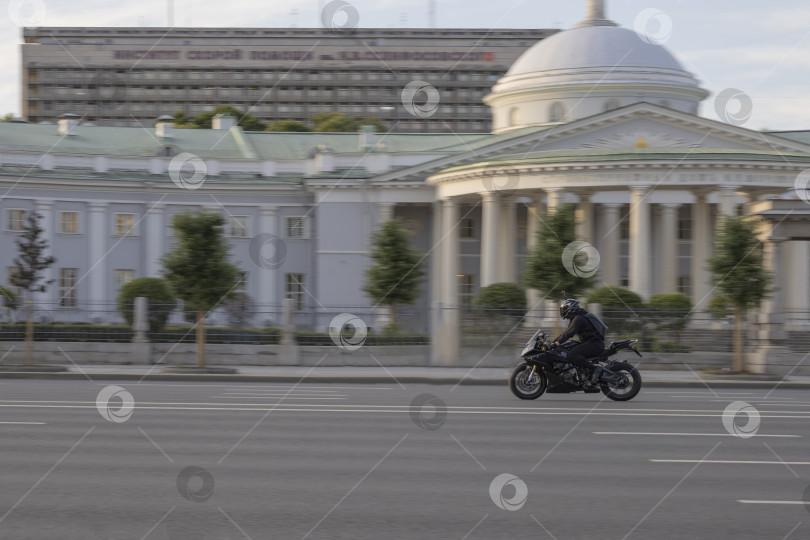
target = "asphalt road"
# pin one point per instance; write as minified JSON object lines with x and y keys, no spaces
{"x":318,"y":461}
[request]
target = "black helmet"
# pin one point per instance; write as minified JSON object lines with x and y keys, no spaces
{"x":568,"y":308}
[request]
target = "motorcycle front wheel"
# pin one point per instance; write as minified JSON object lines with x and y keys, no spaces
{"x":628,"y":385}
{"x":526,"y":383}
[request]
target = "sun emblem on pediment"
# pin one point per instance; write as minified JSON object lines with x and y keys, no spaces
{"x":641,"y":138}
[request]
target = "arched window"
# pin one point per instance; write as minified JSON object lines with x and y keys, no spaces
{"x":612,"y":104}
{"x":514,"y":119}
{"x":556,"y":112}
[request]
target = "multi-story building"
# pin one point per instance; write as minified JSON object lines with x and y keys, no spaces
{"x":130,"y":76}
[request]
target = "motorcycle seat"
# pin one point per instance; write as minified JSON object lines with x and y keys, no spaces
{"x":619,"y":344}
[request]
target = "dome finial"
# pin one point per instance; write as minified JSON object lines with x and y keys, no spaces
{"x":596,"y":14}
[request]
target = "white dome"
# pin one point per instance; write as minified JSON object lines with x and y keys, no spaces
{"x":593,"y":47}
{"x":588,"y":70}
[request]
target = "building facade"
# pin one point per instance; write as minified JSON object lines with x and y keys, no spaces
{"x":130,"y":76}
{"x":649,"y":181}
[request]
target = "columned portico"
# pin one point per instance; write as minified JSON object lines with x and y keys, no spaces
{"x":640,"y":256}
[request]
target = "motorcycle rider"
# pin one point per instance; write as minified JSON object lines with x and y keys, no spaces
{"x":592,"y":342}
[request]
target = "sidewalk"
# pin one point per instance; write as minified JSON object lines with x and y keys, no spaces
{"x":380,"y":375}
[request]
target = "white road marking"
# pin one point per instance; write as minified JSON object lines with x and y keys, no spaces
{"x":285,"y":398}
{"x":744,"y":501}
{"x":731,"y":462}
{"x":26,"y":423}
{"x":684,"y":434}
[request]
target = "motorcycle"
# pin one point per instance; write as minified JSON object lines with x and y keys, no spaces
{"x":546,"y":368}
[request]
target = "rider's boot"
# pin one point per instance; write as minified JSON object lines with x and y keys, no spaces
{"x":595,"y":374}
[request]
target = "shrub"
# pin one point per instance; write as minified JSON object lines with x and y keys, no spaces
{"x":10,"y":297}
{"x":240,"y":308}
{"x":161,"y":300}
{"x":615,"y":298}
{"x":506,"y":298}
{"x":671,"y":311}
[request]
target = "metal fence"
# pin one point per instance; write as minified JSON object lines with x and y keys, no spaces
{"x":657,"y":331}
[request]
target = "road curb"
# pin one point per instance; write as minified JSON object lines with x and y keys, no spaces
{"x":370,"y":379}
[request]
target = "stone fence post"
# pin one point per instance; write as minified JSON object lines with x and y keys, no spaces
{"x":289,"y":352}
{"x":141,"y":346}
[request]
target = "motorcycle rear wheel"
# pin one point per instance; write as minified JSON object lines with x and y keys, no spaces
{"x":526,"y":383}
{"x":630,"y":386}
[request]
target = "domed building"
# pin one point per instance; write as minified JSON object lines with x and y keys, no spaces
{"x":594,"y":116}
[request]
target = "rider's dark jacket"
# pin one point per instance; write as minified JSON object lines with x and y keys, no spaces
{"x":582,"y":327}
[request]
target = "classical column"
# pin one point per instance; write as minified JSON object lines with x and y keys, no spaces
{"x":669,"y":247}
{"x":554,"y":198}
{"x":797,"y":255}
{"x":98,"y":233}
{"x":610,"y":245}
{"x":45,"y":209}
{"x":267,"y":272}
{"x":507,"y":237}
{"x":726,"y":206}
{"x":534,"y":213}
{"x":489,"y":238}
{"x":584,"y":218}
{"x":436,"y":254}
{"x":155,"y":233}
{"x":640,"y":246}
{"x":701,"y":248}
{"x":445,"y":346}
{"x":385,"y":212}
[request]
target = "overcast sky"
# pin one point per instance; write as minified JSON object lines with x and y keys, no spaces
{"x":760,"y":48}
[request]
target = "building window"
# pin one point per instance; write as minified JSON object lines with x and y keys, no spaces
{"x":513,"y":117}
{"x":295,"y":227}
{"x":69,"y":222}
{"x":468,"y":228}
{"x":295,"y":290}
{"x":237,"y":226}
{"x":556,"y":112}
{"x":684,"y":224}
{"x":685,"y":285}
{"x":122,"y":277}
{"x":67,"y":284}
{"x":466,"y":289}
{"x":15,"y":219}
{"x":124,"y":224}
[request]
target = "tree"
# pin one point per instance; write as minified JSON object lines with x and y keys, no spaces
{"x":340,"y":123}
{"x":287,"y":125}
{"x":545,"y":268}
{"x":397,"y":273}
{"x":9,"y":298}
{"x":161,"y":300}
{"x":739,"y":275}
{"x":28,"y":272}
{"x":198,"y":268}
{"x":671,"y":311}
{"x":204,"y":120}
{"x":502,"y":299}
